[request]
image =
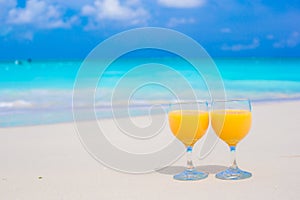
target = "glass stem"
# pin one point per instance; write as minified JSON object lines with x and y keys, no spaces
{"x":233,"y":157}
{"x":189,"y":163}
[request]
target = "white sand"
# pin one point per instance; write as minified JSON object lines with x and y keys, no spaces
{"x":271,"y":152}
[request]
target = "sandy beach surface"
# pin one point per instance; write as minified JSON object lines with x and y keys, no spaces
{"x":49,"y":162}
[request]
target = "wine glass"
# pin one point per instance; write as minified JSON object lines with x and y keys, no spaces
{"x":189,"y":122}
{"x":231,"y":121}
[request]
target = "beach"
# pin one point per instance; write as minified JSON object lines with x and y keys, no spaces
{"x":97,"y":100}
{"x":49,"y":162}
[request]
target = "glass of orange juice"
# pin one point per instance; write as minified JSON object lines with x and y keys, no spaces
{"x":231,"y":121}
{"x":189,"y":122}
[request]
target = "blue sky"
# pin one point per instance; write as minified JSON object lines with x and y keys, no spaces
{"x":68,"y":29}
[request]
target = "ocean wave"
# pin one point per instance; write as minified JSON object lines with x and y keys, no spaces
{"x":263,"y":85}
{"x":16,"y":104}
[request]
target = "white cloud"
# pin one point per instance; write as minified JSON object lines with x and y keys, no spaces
{"x":41,"y":14}
{"x":225,"y":30}
{"x":130,"y":11}
{"x":182,"y":3}
{"x":239,"y":47}
{"x":292,"y":40}
{"x":71,"y":4}
{"x":5,"y":6}
{"x":132,"y":2}
{"x":179,"y":21}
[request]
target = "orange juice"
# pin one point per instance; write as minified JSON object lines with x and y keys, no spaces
{"x":188,"y":125}
{"x":231,"y":125}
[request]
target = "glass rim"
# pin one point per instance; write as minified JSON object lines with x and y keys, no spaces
{"x":188,"y":102}
{"x":224,"y":101}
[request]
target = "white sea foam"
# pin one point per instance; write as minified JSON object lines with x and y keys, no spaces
{"x":16,"y":104}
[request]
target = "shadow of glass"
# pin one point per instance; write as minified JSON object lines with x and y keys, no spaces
{"x":211,"y":169}
{"x":171,"y":170}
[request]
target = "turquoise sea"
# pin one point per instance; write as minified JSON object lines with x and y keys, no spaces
{"x":40,"y":92}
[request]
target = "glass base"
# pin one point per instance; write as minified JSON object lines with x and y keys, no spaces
{"x":233,"y":174}
{"x":190,"y":175}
